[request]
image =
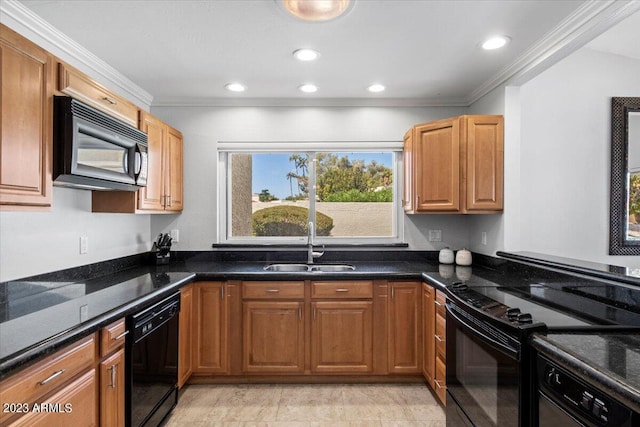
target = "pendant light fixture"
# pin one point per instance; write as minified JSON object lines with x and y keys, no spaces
{"x":316,"y":10}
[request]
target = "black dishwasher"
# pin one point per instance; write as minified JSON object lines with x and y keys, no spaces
{"x":152,"y":361}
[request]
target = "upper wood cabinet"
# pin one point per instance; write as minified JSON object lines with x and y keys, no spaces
{"x":81,"y":87}
{"x":164,"y":190}
{"x":26,"y":103}
{"x":454,"y":165}
{"x":405,"y":328}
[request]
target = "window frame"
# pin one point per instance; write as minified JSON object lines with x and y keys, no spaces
{"x":224,"y":150}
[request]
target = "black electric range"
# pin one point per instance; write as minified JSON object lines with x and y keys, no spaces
{"x":491,"y":373}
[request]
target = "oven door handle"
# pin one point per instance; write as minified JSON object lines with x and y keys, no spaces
{"x":505,"y":349}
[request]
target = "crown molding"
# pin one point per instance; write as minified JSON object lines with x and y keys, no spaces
{"x":22,"y":20}
{"x":308,"y":102}
{"x":586,"y":23}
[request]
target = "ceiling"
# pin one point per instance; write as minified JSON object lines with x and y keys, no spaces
{"x":185,"y":51}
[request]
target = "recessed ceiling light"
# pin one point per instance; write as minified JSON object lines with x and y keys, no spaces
{"x":308,"y":88}
{"x":375,"y":88}
{"x":306,"y":54}
{"x":495,"y":42}
{"x":235,"y":87}
{"x":316,"y":10}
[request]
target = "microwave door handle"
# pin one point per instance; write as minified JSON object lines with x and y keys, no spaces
{"x":506,"y":350}
{"x":125,"y":162}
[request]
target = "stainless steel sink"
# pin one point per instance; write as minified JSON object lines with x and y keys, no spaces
{"x":292,"y":268}
{"x":287,"y":267}
{"x":332,"y":267}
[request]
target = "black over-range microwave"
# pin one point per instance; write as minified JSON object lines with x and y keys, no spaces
{"x":94,"y":151}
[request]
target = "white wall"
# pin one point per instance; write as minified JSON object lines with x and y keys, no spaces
{"x":565,"y":155}
{"x":203,"y":127}
{"x":40,"y":242}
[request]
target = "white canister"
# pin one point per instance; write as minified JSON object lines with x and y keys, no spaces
{"x":463,"y":257}
{"x":445,"y":256}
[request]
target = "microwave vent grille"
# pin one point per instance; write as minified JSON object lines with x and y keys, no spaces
{"x":94,"y":116}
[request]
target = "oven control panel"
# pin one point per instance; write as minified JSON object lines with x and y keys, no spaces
{"x":580,"y":399}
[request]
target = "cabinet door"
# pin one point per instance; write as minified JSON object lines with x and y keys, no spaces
{"x":405,"y":328}
{"x":439,"y":380}
{"x":184,"y":337}
{"x":342,"y":337}
{"x":174,"y":170}
{"x":26,"y":133}
{"x":112,"y":388}
{"x":273,"y":336}
{"x":152,"y":196}
{"x":484,"y":163}
{"x":408,"y":172}
{"x":428,"y":329}
{"x":210,"y":351}
{"x":437,"y":151}
{"x":74,"y":405}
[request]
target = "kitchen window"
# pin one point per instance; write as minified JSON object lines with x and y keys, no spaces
{"x":349,"y":191}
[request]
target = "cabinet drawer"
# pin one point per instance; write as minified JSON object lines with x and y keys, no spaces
{"x":273,"y":290}
{"x":440,"y":337}
{"x":49,"y":374}
{"x":77,"y":85}
{"x":75,"y":404}
{"x":112,"y":337}
{"x":342,"y":289}
{"x":440,"y":380}
{"x":441,"y":299}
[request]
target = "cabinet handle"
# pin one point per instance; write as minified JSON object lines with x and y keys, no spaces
{"x":113,"y":369}
{"x":438,"y":384}
{"x":392,"y":292}
{"x":52,"y":376}
{"x":221,"y":292}
{"x":439,"y":304}
{"x":169,"y":201}
{"x":299,"y":313}
{"x":273,"y":291}
{"x":342,"y":290}
{"x":438,"y":338}
{"x":122,"y":335}
{"x":109,"y":100}
{"x":314,"y":313}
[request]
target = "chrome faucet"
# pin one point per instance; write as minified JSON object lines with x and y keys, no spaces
{"x":311,"y":255}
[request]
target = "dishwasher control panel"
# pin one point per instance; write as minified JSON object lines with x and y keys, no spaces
{"x":580,"y":399}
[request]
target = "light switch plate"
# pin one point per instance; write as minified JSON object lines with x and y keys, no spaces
{"x":84,"y":244}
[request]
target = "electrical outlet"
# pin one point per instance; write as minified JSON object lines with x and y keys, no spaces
{"x":84,"y":244}
{"x":435,"y":235}
{"x":484,"y":238}
{"x":175,"y":235}
{"x":84,"y":312}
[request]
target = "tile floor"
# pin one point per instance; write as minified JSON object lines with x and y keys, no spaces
{"x":382,"y":405}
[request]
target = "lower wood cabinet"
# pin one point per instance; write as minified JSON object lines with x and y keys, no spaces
{"x":72,"y":405}
{"x":428,"y":331}
{"x":405,"y":328}
{"x":185,"y":340}
{"x":210,"y":331}
{"x":66,"y":377}
{"x":440,"y":340}
{"x":273,"y":336}
{"x":342,"y":337}
{"x":112,"y":390}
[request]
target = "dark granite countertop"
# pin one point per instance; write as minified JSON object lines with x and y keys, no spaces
{"x":609,"y":360}
{"x":42,"y":314}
